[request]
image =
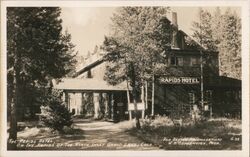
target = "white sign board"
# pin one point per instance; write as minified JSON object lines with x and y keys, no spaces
{"x":179,"y":80}
{"x":140,"y":106}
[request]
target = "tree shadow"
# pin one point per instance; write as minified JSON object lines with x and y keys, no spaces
{"x":74,"y":134}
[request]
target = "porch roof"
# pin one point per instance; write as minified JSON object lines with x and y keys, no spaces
{"x":88,"y":84}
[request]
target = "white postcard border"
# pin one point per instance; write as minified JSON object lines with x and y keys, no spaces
{"x":245,"y":79}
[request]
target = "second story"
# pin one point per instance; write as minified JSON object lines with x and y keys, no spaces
{"x":182,"y":59}
{"x":187,"y":62}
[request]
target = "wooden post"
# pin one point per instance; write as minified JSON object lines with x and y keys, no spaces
{"x":96,"y":105}
{"x":67,"y":99}
{"x":153,"y":95}
{"x":112,"y":106}
{"x":130,"y":114}
{"x":105,"y":98}
{"x":211,"y":111}
{"x":146,"y":94}
{"x":82,"y":104}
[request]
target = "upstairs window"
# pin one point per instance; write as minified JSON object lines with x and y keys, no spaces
{"x":173,"y":61}
{"x":176,"y":61}
{"x":195,"y":61}
{"x":180,"y":61}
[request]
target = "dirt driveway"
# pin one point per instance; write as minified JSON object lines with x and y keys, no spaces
{"x":87,"y":135}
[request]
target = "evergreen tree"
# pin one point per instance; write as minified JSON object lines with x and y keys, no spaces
{"x":37,"y":51}
{"x":216,"y":27}
{"x":202,"y":30}
{"x":229,"y":46}
{"x":222,"y":33}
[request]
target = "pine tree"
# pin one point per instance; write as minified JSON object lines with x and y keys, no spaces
{"x":37,"y":51}
{"x":229,"y":46}
{"x":203,"y":30}
{"x":222,"y":33}
{"x":216,"y":27}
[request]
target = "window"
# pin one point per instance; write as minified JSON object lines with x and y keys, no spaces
{"x":179,"y":61}
{"x":176,"y":61}
{"x":187,"y":61}
{"x":208,"y":95}
{"x":172,"y":61}
{"x":191,"y":98}
{"x":195,"y":61}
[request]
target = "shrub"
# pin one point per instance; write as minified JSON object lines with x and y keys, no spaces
{"x":54,"y":113}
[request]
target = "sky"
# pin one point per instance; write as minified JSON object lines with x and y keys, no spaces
{"x":88,"y":26}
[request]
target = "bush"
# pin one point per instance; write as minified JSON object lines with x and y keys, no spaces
{"x":54,"y":113}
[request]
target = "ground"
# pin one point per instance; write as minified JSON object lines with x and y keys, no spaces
{"x":87,"y":135}
{"x":211,"y":134}
{"x":159,"y":133}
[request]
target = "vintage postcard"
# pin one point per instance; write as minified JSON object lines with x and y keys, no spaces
{"x":125,"y":78}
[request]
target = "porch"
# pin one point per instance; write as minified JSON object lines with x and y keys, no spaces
{"x":94,"y":98}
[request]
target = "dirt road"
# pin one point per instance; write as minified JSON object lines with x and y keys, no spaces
{"x":87,"y":135}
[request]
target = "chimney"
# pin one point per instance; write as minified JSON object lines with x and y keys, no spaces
{"x":174,"y":19}
{"x":175,"y":31}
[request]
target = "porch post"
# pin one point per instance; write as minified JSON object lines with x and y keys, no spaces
{"x":105,"y":98}
{"x":96,"y":105}
{"x":82,"y":104}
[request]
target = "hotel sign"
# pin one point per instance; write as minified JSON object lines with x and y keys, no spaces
{"x":179,"y":80}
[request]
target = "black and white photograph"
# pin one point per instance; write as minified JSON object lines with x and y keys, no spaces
{"x":124,"y":78}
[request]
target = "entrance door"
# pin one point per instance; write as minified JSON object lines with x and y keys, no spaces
{"x":120,"y":106}
{"x":120,"y":111}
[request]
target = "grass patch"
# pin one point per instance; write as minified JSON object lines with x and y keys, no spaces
{"x":213,"y":134}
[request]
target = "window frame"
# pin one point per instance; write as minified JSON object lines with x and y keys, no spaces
{"x":176,"y":61}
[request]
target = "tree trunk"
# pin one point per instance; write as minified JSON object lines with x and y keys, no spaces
{"x":137,"y":116}
{"x":146,"y":97}
{"x":13,"y":123}
{"x":128,"y":99}
{"x":143,"y":101}
{"x":153,"y":95}
{"x":14,"y":104}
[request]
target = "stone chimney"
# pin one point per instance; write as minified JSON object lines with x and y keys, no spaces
{"x":175,"y":32}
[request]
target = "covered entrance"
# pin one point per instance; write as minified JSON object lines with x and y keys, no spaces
{"x":92,"y":98}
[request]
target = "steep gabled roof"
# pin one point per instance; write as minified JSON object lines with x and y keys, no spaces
{"x":193,"y":47}
{"x":88,"y":67}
